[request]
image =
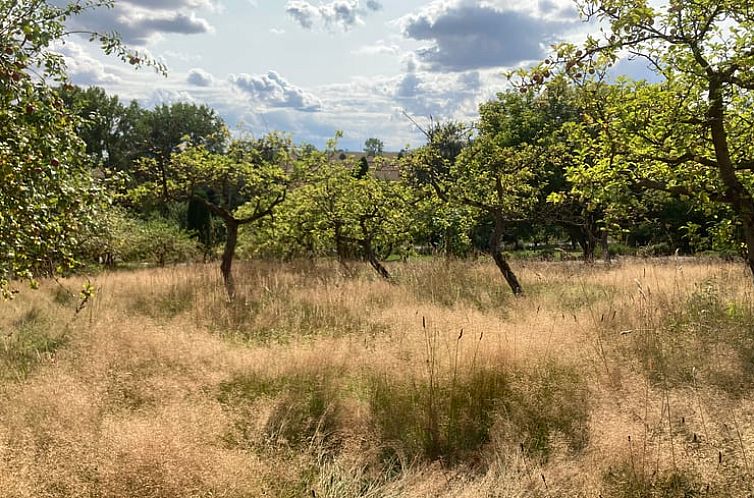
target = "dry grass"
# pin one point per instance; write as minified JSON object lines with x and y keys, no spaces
{"x":628,"y":381}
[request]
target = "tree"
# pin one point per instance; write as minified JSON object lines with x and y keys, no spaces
{"x":363,"y":168}
{"x":499,"y":173}
{"x":107,"y":127}
{"x":47,"y":194}
{"x":248,"y":183}
{"x":691,"y":134}
{"x":373,"y":147}
{"x":337,"y":213}
{"x":169,"y":126}
{"x":585,"y":219}
{"x":439,"y":222}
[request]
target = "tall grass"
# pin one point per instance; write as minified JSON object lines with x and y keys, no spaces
{"x":633,"y":380}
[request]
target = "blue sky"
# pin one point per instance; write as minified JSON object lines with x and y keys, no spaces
{"x":311,"y":67}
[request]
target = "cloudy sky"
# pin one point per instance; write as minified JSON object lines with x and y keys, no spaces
{"x":311,"y":67}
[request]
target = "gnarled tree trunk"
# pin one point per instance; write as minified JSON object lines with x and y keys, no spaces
{"x":736,"y":193}
{"x":496,"y":241}
{"x":227,"y":264}
{"x":366,"y":244}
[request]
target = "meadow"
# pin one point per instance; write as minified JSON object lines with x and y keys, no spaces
{"x":628,"y":380}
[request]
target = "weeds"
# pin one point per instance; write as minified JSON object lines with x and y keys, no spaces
{"x":626,"y":482}
{"x":706,"y":336}
{"x":165,"y":302}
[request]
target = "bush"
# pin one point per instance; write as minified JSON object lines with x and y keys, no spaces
{"x":120,"y":238}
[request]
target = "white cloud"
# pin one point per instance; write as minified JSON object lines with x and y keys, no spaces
{"x":379,"y":48}
{"x":343,"y":14}
{"x":168,"y":96}
{"x":200,"y":77}
{"x":273,"y":90}
{"x":83,"y":69}
{"x":140,"y":22}
{"x":181,"y":56}
{"x":465,"y":34}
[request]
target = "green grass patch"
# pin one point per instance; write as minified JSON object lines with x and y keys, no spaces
{"x":707,"y":339}
{"x":628,"y":481}
{"x":305,"y":407}
{"x":451,"y":417}
{"x":30,"y":340}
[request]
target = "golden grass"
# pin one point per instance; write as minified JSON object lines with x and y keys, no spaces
{"x":633,"y":380}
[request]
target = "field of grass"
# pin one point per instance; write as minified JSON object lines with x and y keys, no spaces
{"x":633,"y":380}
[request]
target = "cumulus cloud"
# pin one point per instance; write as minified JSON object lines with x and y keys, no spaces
{"x":273,"y":90}
{"x":139,"y":22}
{"x":168,"y":96}
{"x":444,"y":95}
{"x":408,"y":87}
{"x":84,"y":69}
{"x":303,"y":13}
{"x":200,"y":77}
{"x":464,"y":35}
{"x":343,"y":14}
{"x":173,"y":4}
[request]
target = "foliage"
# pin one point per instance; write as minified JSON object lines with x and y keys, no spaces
{"x":335,"y":212}
{"x":438,"y":222}
{"x":240,"y":187}
{"x":689,"y":135}
{"x":121,"y":238}
{"x":47,"y":193}
{"x":114,"y":134}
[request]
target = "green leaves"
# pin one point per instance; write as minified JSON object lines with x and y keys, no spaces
{"x":48,"y":195}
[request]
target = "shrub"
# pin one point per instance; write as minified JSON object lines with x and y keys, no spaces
{"x":120,"y":238}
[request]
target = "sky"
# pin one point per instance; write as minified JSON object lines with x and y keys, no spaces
{"x":313,"y":67}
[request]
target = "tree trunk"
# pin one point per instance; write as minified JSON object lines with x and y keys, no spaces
{"x":496,"y":241}
{"x":340,"y":248}
{"x":582,"y":236}
{"x":604,"y":242}
{"x":737,"y":194}
{"x":372,"y":258}
{"x":228,"y":253}
{"x":588,"y":246}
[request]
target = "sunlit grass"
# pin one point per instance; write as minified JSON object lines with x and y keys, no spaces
{"x":630,"y":380}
